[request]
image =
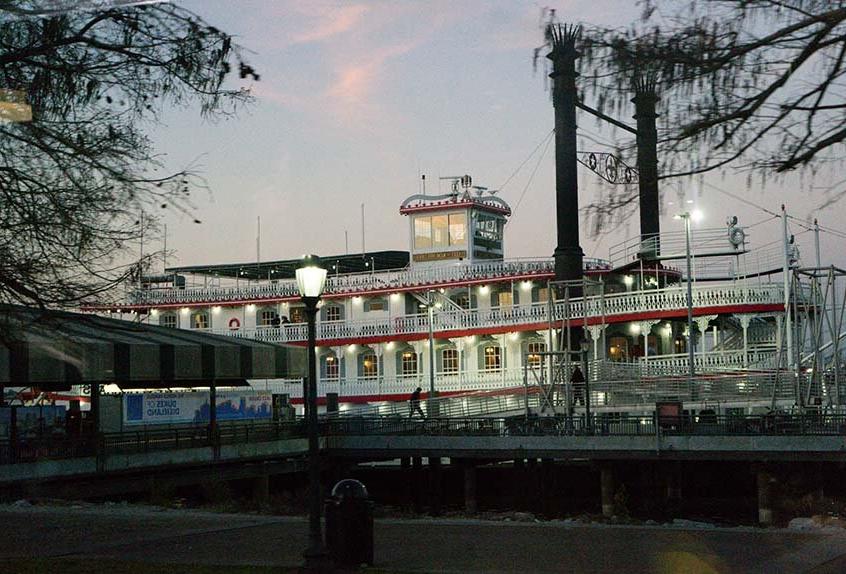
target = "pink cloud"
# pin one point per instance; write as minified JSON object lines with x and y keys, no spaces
{"x":325,"y":22}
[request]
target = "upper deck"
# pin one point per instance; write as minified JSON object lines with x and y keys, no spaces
{"x":351,"y":284}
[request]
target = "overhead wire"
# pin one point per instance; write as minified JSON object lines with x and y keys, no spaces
{"x":531,"y":178}
{"x":545,"y":140}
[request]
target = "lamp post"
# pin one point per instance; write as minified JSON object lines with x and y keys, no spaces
{"x":311,"y":278}
{"x":429,"y":303}
{"x":691,"y":369}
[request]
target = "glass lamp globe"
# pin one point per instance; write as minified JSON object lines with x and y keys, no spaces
{"x":311,"y":277}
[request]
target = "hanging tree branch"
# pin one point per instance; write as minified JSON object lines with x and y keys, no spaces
{"x":75,"y":180}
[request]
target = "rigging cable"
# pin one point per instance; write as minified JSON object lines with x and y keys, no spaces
{"x":545,"y":140}
{"x":531,"y":178}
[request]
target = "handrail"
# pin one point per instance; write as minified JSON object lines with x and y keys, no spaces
{"x":621,"y":304}
{"x":599,"y":425}
{"x":349,"y":283}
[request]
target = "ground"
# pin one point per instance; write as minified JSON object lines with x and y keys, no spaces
{"x":88,"y":538}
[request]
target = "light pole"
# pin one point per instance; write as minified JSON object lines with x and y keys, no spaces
{"x":691,"y":369}
{"x":311,"y":278}
{"x":430,"y":311}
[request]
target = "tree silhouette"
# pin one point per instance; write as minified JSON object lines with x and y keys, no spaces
{"x":75,"y":180}
{"x":754,"y":85}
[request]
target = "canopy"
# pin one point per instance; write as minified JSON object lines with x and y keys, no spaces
{"x":55,"y":349}
{"x":285,"y":269}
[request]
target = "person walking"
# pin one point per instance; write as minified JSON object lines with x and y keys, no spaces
{"x":414,"y":404}
{"x":577,"y":379}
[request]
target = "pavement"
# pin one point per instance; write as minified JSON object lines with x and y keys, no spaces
{"x":156,"y":536}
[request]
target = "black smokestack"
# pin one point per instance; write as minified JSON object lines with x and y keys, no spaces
{"x":568,"y":253}
{"x":647,"y":163}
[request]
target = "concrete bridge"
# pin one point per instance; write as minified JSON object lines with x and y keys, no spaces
{"x":138,"y":461}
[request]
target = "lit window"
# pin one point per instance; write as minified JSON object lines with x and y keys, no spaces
{"x":168,"y":320}
{"x":506,"y":299}
{"x":449,"y":358}
{"x":369,"y":365}
{"x":422,"y":232}
{"x":457,"y":229}
{"x":332,"y":367}
{"x":200,"y":320}
{"x":543,"y":294}
{"x":268,"y":318}
{"x":493,"y":358}
{"x":409,"y":363}
{"x":333,"y":313}
{"x":298,"y":315}
{"x":533,"y":359}
{"x":440,"y":231}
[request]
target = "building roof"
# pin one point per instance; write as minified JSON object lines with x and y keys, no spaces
{"x":286,"y":268}
{"x":55,"y":349}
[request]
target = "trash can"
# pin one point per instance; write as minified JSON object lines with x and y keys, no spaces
{"x":349,"y":524}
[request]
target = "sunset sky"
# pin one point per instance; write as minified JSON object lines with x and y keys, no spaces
{"x":357,"y":100}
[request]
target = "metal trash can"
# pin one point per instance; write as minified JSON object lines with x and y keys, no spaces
{"x":349,"y":524}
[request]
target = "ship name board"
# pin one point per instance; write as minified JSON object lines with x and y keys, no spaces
{"x":439,"y":255}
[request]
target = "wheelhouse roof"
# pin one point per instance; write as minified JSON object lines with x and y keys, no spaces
{"x":286,"y":268}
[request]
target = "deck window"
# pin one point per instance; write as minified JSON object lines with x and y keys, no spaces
{"x":168,"y":320}
{"x":268,"y":318}
{"x":409,"y":363}
{"x":200,"y":320}
{"x":369,"y":365}
{"x":533,"y":358}
{"x":332,"y":367}
{"x":333,"y":313}
{"x":493,"y":358}
{"x":449,"y":360}
{"x":505,"y":299}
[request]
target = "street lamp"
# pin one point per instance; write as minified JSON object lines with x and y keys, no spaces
{"x":687,"y":216}
{"x":311,"y":278}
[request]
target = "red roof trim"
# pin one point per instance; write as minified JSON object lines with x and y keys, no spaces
{"x":437,"y":206}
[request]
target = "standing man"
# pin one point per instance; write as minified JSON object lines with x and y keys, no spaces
{"x":577,"y":379}
{"x":414,"y":404}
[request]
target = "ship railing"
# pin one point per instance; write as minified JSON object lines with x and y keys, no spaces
{"x":360,"y":282}
{"x":516,"y":315}
{"x":611,"y":390}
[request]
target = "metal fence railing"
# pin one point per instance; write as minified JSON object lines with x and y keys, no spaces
{"x":808,"y":424}
{"x":598,"y":425}
{"x":26,"y":449}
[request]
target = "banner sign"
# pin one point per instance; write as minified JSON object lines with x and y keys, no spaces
{"x":181,"y":408}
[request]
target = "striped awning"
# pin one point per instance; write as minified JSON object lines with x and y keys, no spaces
{"x":54,"y":350}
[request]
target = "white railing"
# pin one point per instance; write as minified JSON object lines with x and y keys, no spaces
{"x":714,"y":361}
{"x":623,"y":304}
{"x":487,"y":396}
{"x":359,"y":282}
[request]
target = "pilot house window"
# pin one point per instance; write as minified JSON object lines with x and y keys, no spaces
{"x":447,"y":230}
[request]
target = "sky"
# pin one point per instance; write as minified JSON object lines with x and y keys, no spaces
{"x":358,"y":99}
